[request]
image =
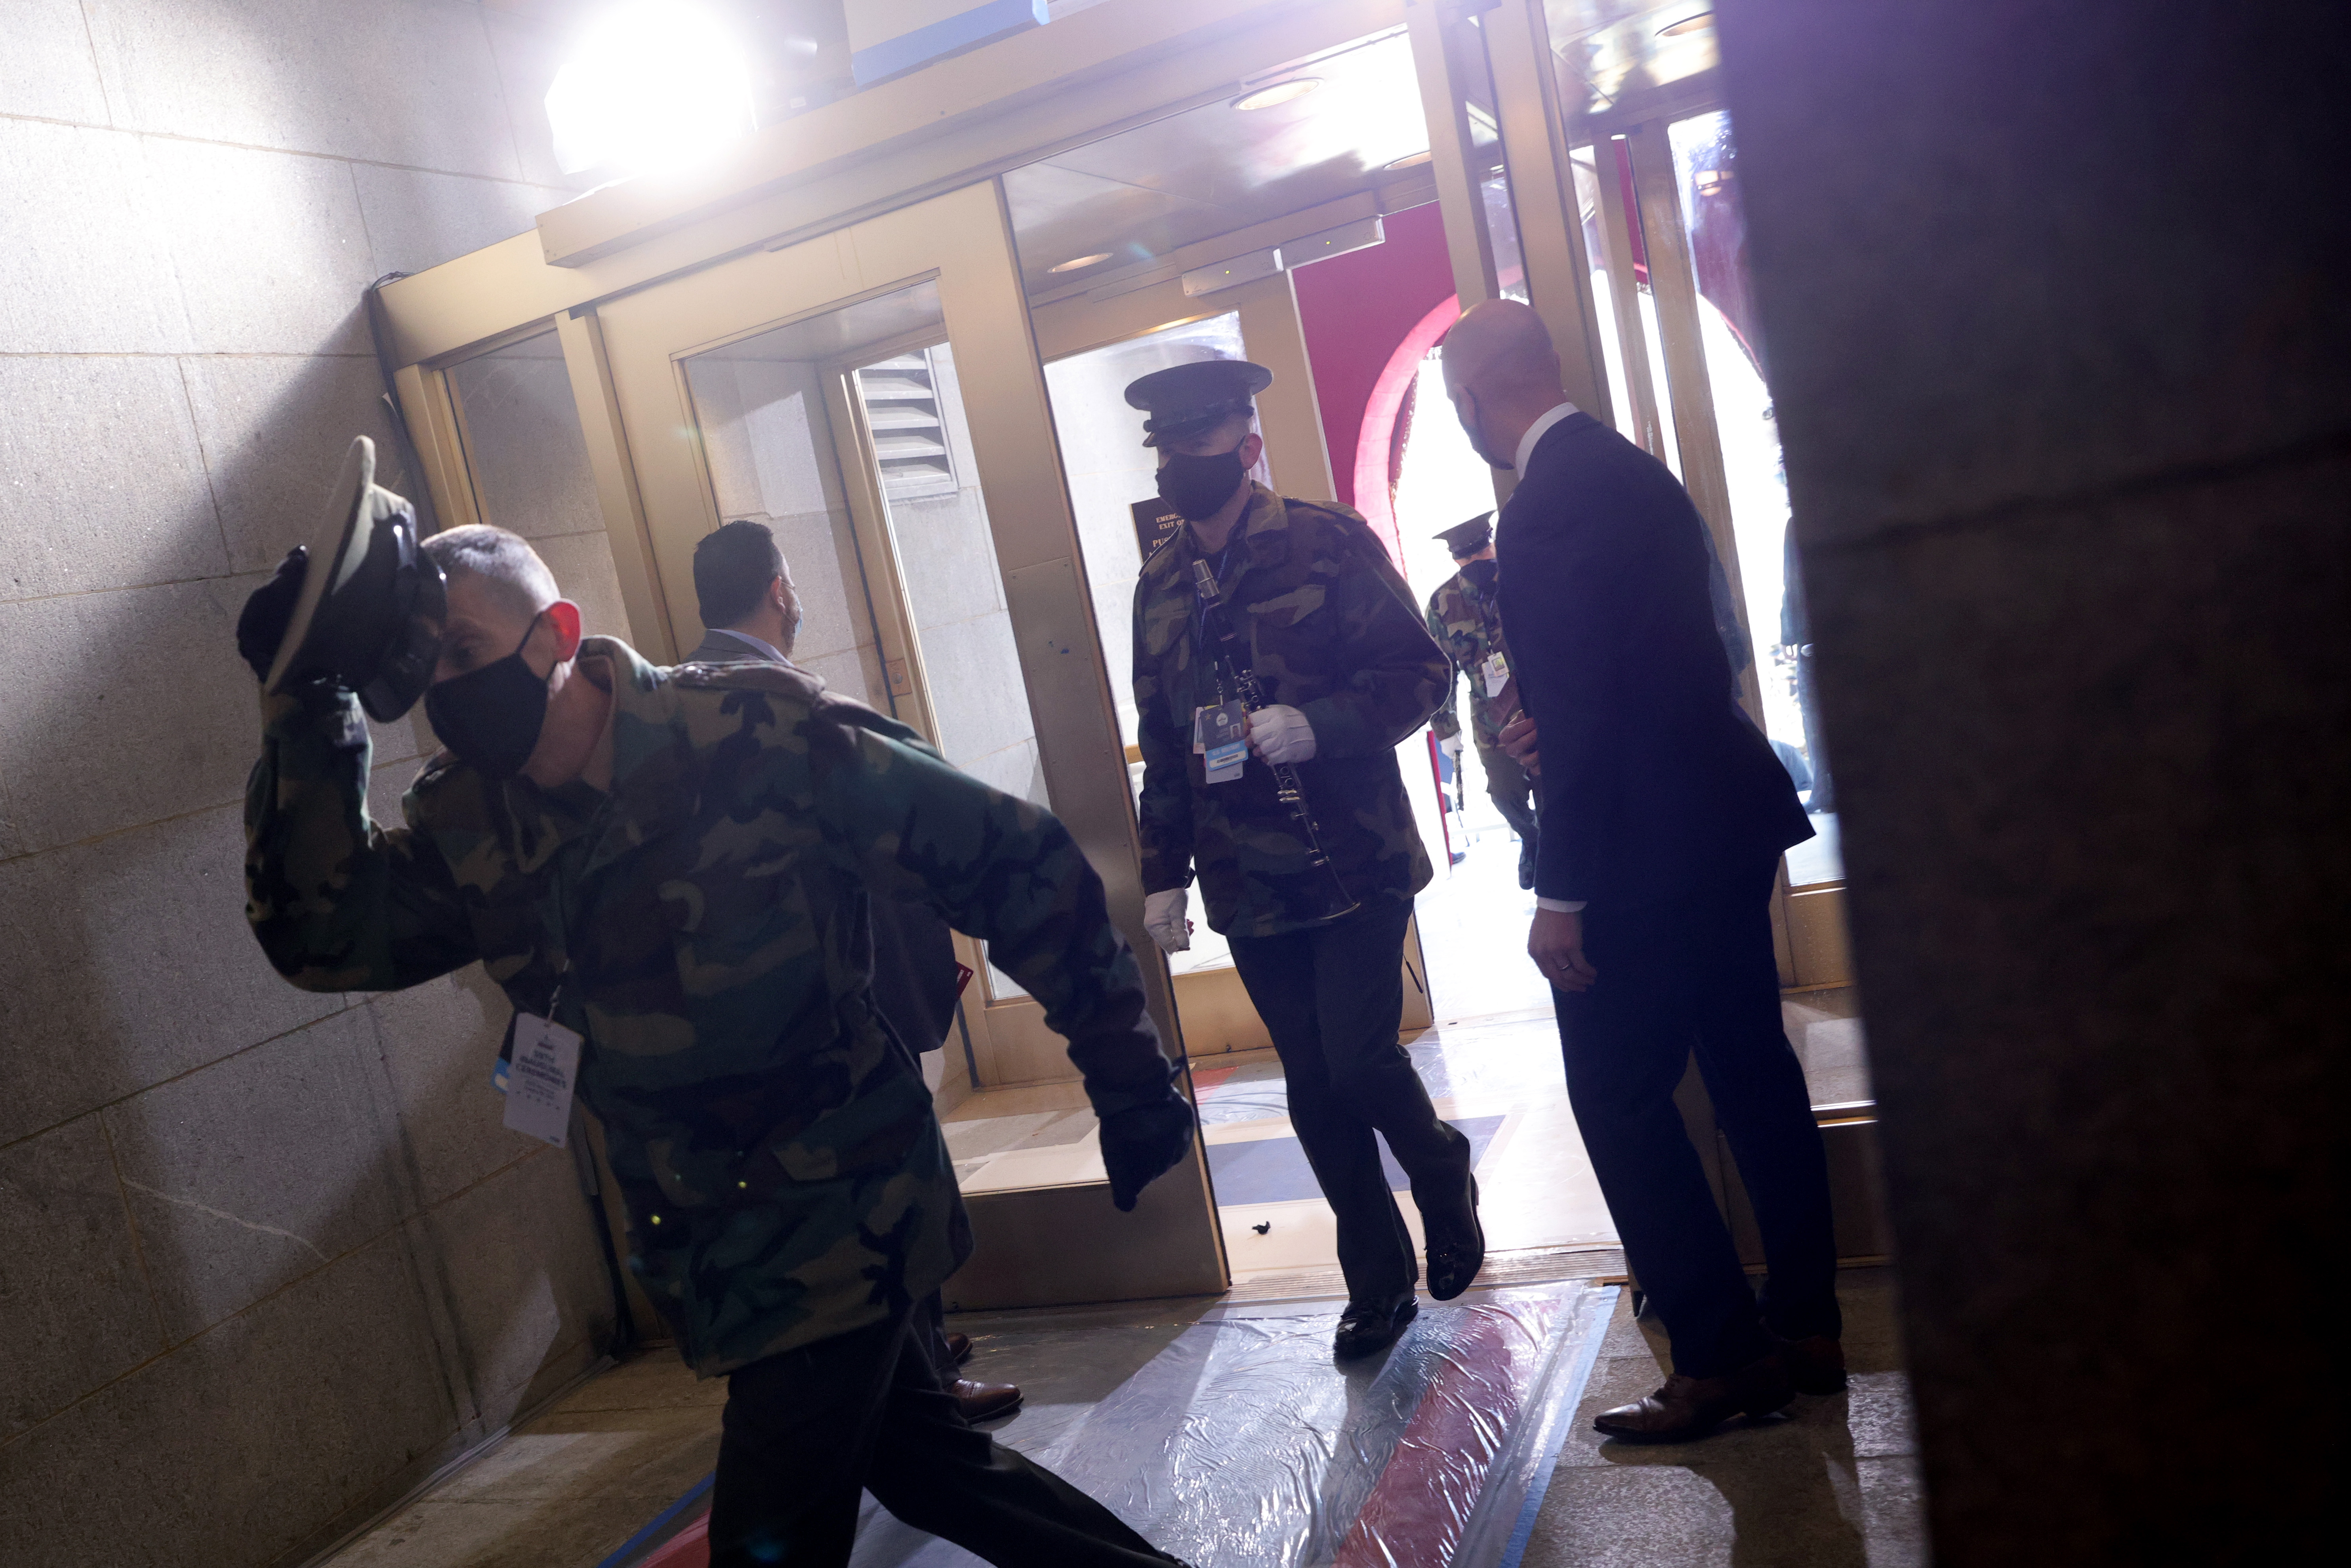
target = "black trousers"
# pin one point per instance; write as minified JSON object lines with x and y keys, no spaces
{"x":804,"y":1431}
{"x":1696,"y":975}
{"x":1332,"y":997}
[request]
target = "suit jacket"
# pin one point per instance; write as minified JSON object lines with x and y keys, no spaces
{"x":1654,"y":777}
{"x":914,"y":954}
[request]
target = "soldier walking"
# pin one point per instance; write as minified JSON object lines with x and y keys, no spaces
{"x":1465,"y":616}
{"x":1278,"y":660}
{"x":670,"y":873}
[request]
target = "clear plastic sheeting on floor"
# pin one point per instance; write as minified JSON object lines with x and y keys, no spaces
{"x":1243,"y":1445}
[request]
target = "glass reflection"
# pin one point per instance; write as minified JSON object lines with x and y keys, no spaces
{"x":1715,"y":230}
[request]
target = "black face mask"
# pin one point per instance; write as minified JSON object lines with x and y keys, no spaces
{"x":1482,"y":574}
{"x":491,"y":717}
{"x":1197,"y":487}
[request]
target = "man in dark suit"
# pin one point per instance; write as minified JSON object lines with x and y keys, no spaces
{"x":1663,"y":816}
{"x":751,"y":611}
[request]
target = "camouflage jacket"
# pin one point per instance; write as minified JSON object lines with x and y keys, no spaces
{"x":1467,"y":625}
{"x":1332,"y":631}
{"x":703,"y":927}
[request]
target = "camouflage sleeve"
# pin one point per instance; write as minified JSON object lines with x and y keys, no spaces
{"x":339,"y":904}
{"x":1008,"y":872}
{"x":1400,"y":675}
{"x":1163,"y":814}
{"x":1448,"y":719}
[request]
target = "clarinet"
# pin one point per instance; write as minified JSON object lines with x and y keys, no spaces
{"x":1287,"y":786}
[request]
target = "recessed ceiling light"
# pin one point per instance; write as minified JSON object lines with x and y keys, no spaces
{"x":1280,"y":92}
{"x":1075,"y":262}
{"x":1696,"y":23}
{"x":1409,"y":160}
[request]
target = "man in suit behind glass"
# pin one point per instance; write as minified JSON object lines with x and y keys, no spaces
{"x":747,"y":602}
{"x":1663,"y":816}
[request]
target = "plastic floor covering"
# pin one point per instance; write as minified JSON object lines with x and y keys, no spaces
{"x":1241,"y":1444}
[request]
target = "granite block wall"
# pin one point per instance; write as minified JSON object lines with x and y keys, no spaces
{"x":266,"y":1257}
{"x":2062,"y":352}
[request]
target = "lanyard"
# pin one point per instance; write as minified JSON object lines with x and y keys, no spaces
{"x":1200,"y":608}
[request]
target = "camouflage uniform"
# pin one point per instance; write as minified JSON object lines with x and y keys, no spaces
{"x":1332,"y":631}
{"x":1468,"y":625}
{"x":703,"y":927}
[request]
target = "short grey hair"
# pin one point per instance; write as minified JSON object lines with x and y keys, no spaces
{"x":504,"y":561}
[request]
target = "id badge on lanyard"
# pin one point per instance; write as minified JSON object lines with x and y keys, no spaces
{"x":538,"y":1076}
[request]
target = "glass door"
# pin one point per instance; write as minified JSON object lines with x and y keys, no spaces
{"x":1654,"y":163}
{"x":1631,"y":114}
{"x":874,"y":398}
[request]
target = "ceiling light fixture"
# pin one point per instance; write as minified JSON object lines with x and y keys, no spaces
{"x":1698,"y":22}
{"x":652,"y":84}
{"x":1280,"y":92}
{"x":1409,"y":160}
{"x":1075,"y":262}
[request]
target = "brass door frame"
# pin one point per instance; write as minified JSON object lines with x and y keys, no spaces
{"x":960,"y":243}
{"x":1222,"y":1019}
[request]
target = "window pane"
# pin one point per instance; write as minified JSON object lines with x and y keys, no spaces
{"x":1110,"y":471}
{"x":530,"y":467}
{"x":1737,"y":368}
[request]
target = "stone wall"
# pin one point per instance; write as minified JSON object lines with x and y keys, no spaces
{"x":2056,"y":307}
{"x":266,"y":1257}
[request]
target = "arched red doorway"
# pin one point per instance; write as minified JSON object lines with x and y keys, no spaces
{"x":1366,"y":317}
{"x":1379,"y":455}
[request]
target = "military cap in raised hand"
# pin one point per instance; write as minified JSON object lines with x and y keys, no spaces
{"x":1184,"y":400}
{"x":1468,"y":538}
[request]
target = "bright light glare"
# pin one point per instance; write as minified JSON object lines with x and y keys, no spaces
{"x":1279,"y":93}
{"x":652,"y":84}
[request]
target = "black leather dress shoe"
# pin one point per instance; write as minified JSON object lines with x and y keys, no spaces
{"x":1374,"y":1324}
{"x":1457,"y":1243}
{"x":1815,"y":1365}
{"x":1690,"y":1407}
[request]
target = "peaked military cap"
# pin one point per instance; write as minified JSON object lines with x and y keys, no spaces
{"x":1184,"y":400}
{"x":1468,"y":538}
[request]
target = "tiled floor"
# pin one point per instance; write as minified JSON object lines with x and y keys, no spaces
{"x":1834,"y":1483}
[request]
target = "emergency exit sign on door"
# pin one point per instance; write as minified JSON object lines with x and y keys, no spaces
{"x":1156,"y":523}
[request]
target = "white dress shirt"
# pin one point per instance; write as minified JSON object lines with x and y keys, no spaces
{"x":764,"y":649}
{"x":1535,"y":432}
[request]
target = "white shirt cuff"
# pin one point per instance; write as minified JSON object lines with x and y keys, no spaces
{"x":1562,"y":905}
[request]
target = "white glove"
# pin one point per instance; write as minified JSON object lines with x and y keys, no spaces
{"x":1280,"y":733}
{"x":1451,"y":747}
{"x":1163,"y":916}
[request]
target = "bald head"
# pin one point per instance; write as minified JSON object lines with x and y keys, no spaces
{"x":1502,"y":374}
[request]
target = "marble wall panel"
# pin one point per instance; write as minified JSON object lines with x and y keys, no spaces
{"x":416,"y":219}
{"x":395,"y":81}
{"x":130,"y":706}
{"x":126,"y":961}
{"x":105,"y":483}
{"x":259,"y":1169}
{"x":86,"y":267}
{"x":271,"y":251}
{"x":274,"y":429}
{"x":73,"y":1293}
{"x":439,"y":1042}
{"x":246,"y":1442}
{"x":527,"y":1278}
{"x":47,"y":71}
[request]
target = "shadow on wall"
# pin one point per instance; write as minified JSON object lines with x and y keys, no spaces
{"x":339,"y":1266}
